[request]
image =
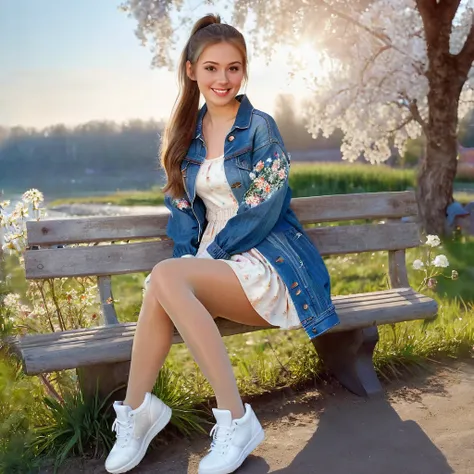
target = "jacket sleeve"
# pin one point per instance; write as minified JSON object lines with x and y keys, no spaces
{"x":261,"y":206}
{"x":183,"y":227}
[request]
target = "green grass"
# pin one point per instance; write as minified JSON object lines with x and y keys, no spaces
{"x":305,"y":180}
{"x":21,"y":409}
{"x":464,"y":197}
{"x":323,"y":179}
{"x":151,"y":197}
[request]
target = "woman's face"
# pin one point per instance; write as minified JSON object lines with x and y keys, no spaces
{"x":219,"y":73}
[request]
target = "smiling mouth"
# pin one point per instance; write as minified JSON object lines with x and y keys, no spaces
{"x":221,"y":92}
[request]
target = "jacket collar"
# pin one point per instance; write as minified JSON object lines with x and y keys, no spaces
{"x":242,"y":121}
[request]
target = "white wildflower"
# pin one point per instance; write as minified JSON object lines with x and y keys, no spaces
{"x":418,"y":264}
{"x":33,"y":195}
{"x":21,"y":210}
{"x":433,"y":240}
{"x":12,"y":300}
{"x":440,"y":261}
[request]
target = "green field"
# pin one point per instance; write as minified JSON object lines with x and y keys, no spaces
{"x":305,"y":180}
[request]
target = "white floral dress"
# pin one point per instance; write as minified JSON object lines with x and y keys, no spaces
{"x":264,"y":288}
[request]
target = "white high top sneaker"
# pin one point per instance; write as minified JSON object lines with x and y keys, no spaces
{"x":135,"y":429}
{"x":233,"y":441}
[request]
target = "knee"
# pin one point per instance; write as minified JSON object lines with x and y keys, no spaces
{"x":163,"y":277}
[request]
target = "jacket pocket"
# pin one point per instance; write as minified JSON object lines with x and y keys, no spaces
{"x":244,"y":162}
{"x":239,"y":176}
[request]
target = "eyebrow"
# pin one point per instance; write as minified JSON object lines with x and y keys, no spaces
{"x":213,"y":62}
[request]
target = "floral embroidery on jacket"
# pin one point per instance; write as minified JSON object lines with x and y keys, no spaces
{"x":268,"y":176}
{"x":181,"y":204}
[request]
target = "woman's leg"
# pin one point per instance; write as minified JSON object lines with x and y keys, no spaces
{"x":151,"y":345}
{"x":189,"y":293}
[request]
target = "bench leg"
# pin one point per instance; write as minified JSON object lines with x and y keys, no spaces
{"x":105,"y":378}
{"x":348,"y":355}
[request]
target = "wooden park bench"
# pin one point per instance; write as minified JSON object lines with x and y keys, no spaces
{"x":102,"y":354}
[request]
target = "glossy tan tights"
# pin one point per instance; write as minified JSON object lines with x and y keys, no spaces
{"x":189,"y":293}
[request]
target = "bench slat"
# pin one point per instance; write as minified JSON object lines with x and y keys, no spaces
{"x":342,"y":240}
{"x":51,"y":338}
{"x":95,"y":229}
{"x":119,"y":259}
{"x":309,"y":210}
{"x":50,"y":352}
{"x":343,"y":207}
{"x":81,"y":336}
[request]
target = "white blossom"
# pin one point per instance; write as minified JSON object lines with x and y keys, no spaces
{"x":440,"y":261}
{"x":11,"y":301}
{"x":433,"y":240}
{"x":418,"y":264}
{"x":33,"y":195}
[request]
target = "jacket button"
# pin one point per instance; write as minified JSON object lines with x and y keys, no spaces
{"x":314,"y":330}
{"x":231,"y":138}
{"x":294,"y":285}
{"x":305,"y":306}
{"x":298,"y":292}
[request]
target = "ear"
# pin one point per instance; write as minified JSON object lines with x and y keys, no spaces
{"x":189,"y":71}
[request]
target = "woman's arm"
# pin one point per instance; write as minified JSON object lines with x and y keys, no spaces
{"x":262,"y":203}
{"x":183,"y":227}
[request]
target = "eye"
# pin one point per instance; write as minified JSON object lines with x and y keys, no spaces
{"x":210,"y":68}
{"x":234,"y":68}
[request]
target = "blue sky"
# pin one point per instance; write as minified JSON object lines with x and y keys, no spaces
{"x":71,"y":61}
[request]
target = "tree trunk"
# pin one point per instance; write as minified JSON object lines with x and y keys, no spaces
{"x":446,"y":79}
{"x":435,"y":178}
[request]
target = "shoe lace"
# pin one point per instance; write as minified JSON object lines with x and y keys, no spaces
{"x":123,"y":429}
{"x":221,"y":435}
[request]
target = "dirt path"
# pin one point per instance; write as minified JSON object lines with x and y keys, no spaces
{"x":425,"y":425}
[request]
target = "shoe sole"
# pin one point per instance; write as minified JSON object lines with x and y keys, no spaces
{"x":151,"y":433}
{"x":252,"y":444}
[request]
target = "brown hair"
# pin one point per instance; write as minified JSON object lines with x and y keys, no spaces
{"x":180,"y":129}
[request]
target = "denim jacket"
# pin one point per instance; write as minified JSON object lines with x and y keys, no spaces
{"x":257,"y":167}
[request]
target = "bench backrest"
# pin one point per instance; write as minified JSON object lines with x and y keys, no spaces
{"x":130,"y":244}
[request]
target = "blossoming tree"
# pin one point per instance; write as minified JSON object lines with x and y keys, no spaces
{"x":399,"y":69}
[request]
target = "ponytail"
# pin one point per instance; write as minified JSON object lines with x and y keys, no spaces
{"x":182,"y":124}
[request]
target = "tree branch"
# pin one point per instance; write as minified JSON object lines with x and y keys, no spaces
{"x":436,"y":15}
{"x":465,"y":57}
{"x":412,"y":106}
{"x":403,"y":124}
{"x":373,"y":58}
{"x":380,"y":36}
{"x":415,"y":111}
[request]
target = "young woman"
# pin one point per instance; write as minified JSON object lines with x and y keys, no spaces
{"x":239,"y":251}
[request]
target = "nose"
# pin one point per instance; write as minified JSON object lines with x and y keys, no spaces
{"x":223,"y":79}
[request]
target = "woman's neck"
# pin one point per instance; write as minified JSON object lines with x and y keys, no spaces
{"x":219,"y":115}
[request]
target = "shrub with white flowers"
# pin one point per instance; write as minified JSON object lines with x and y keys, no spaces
{"x":432,"y":265}
{"x":49,"y":305}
